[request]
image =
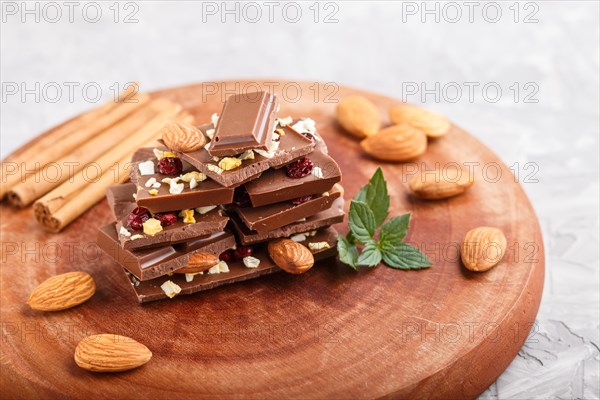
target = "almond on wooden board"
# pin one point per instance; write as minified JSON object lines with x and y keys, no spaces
{"x":182,"y":137}
{"x":62,"y":292}
{"x":482,"y":248}
{"x":434,"y":125}
{"x":440,"y":183}
{"x":199,"y":262}
{"x":396,"y":143}
{"x":291,"y":256}
{"x":358,"y":116}
{"x":110,"y":353}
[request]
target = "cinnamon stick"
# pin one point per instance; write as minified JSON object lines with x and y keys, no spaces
{"x":61,"y":140}
{"x":72,"y":198}
{"x":52,"y":175}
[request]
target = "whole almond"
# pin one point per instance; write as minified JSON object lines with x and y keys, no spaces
{"x":199,"y":262}
{"x":182,"y":137}
{"x":434,"y":125}
{"x":110,"y":353}
{"x":291,"y":256}
{"x":483,"y":248}
{"x":440,"y":183}
{"x":358,"y":116}
{"x":396,"y":143}
{"x":62,"y":291}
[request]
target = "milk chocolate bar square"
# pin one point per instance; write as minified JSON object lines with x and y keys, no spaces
{"x":247,"y":122}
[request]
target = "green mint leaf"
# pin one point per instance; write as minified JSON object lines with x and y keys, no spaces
{"x":350,"y":238}
{"x":393,"y":231}
{"x":371,"y":255}
{"x":361,"y":221}
{"x":348,"y":253}
{"x":362,"y":194}
{"x":377,"y":197}
{"x":404,"y":256}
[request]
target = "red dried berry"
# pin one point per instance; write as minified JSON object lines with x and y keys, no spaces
{"x":170,"y":166}
{"x":299,"y":168}
{"x":137,"y":217}
{"x":243,"y":251}
{"x":301,"y":200}
{"x":309,"y":135}
{"x":227,"y":255}
{"x":166,"y":219}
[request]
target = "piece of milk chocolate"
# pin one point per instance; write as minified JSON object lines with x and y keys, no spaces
{"x":151,"y":290}
{"x":122,"y":203}
{"x":287,"y":148}
{"x":334,"y":215}
{"x":247,"y":122}
{"x":266,"y":218}
{"x":274,"y":185}
{"x":154,"y":262}
{"x":206,"y":193}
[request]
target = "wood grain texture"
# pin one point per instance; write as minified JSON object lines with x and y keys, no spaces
{"x":331,"y":333}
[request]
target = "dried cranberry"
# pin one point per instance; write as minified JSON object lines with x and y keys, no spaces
{"x":243,"y":251}
{"x":227,"y":255}
{"x":166,"y":218}
{"x":309,"y":135}
{"x":137,"y":217}
{"x":299,"y":168}
{"x":301,"y":200}
{"x":170,"y":166}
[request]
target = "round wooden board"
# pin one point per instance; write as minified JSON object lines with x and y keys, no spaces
{"x":443,"y":332}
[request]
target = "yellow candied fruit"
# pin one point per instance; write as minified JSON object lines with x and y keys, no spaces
{"x":198,"y":176}
{"x":152,"y":226}
{"x":229,"y":163}
{"x":153,"y":192}
{"x":168,"y":154}
{"x":188,"y":216}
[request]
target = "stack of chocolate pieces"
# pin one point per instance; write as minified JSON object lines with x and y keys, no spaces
{"x":202,"y":207}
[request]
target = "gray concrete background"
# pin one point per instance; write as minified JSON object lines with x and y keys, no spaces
{"x":549,"y":49}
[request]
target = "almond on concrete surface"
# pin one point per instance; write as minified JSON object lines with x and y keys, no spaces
{"x":291,"y":256}
{"x":396,"y":143}
{"x":358,"y":116}
{"x":62,"y":292}
{"x":111,"y":353}
{"x":440,"y":183}
{"x":433,"y":124}
{"x":482,"y":248}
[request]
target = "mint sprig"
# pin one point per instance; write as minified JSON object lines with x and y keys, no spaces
{"x":362,"y":247}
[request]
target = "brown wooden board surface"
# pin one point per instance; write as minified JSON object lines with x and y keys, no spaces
{"x":443,"y":332}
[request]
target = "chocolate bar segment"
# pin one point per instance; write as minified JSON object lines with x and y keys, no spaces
{"x":207,"y":193}
{"x":121,"y":203}
{"x":333,"y":215}
{"x":119,"y":198}
{"x":275,"y":186}
{"x":150,"y":290}
{"x":266,"y":218}
{"x":308,"y":128}
{"x":154,"y":262}
{"x":247,"y":122}
{"x":291,"y":146}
